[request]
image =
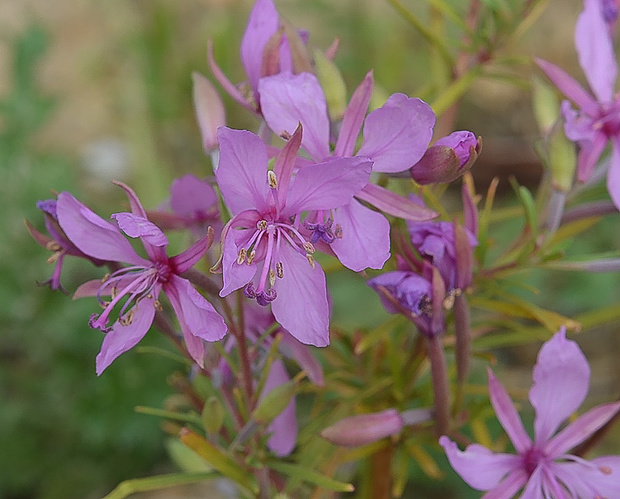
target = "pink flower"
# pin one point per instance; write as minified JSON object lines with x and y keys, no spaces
{"x":544,"y":467}
{"x":140,"y":284}
{"x":263,"y":250}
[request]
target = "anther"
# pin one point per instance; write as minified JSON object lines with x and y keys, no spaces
{"x":261,"y":224}
{"x":127,"y":320}
{"x":272,"y":179}
{"x":53,"y":258}
{"x":53,"y":246}
{"x":285,"y":135}
{"x":338,"y":231}
{"x":279,"y":270}
{"x":157,"y":305}
{"x":251,"y":256}
{"x":310,"y":259}
{"x":272,"y":277}
{"x":105,"y":278}
{"x":241,"y":256}
{"x":606,"y":470}
{"x":113,"y":292}
{"x":448,"y":301}
{"x":309,"y":247}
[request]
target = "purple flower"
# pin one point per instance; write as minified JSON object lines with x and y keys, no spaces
{"x":57,"y":242}
{"x":135,"y":289}
{"x":395,"y":137}
{"x":597,"y":121}
{"x":264,"y":251}
{"x":543,"y":467}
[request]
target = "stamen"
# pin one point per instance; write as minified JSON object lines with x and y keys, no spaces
{"x":285,"y":135}
{"x":53,"y":246}
{"x":261,"y":225}
{"x":272,"y":179}
{"x":309,"y":247}
{"x":157,"y":305}
{"x":105,"y":278}
{"x":338,"y":231}
{"x":279,"y":270}
{"x":310,"y":260}
{"x":272,"y":277}
{"x":53,"y":258}
{"x":251,"y":256}
{"x":127,"y":319}
{"x":241,"y":256}
{"x":448,"y":301}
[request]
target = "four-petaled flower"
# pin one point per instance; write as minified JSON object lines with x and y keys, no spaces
{"x":543,"y":467}
{"x":135,"y":289}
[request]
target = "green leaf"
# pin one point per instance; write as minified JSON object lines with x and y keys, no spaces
{"x":128,"y":487}
{"x":220,"y":461}
{"x":175,"y":416}
{"x":307,"y":475}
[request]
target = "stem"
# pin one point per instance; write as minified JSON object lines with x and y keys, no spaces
{"x":587,"y":210}
{"x":463,"y":344}
{"x":202,"y":281}
{"x":381,"y":473}
{"x":441,"y":391}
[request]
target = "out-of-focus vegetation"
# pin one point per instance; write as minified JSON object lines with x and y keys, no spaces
{"x":64,"y":433}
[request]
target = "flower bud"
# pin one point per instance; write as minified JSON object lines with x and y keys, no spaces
{"x":210,"y":112}
{"x":364,"y":429}
{"x":448,"y":159}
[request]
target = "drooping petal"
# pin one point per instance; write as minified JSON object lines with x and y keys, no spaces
{"x":327,"y":185}
{"x":561,"y":380}
{"x":365,"y":241}
{"x":478,"y":466}
{"x":235,"y":275}
{"x":580,"y":429}
{"x":397,"y":134}
{"x":301,"y":305}
{"x":137,"y":226}
{"x":284,"y":427}
{"x":190,"y":195}
{"x":186,"y":260}
{"x":613,"y":174}
{"x":124,"y":337}
{"x":354,"y":117}
{"x":287,"y":100}
{"x":92,"y":234}
{"x":242,"y":171}
{"x":393,"y":204}
{"x":567,"y":85}
{"x":595,"y":50}
{"x":508,"y":415}
{"x":262,"y":25}
{"x":197,"y":317}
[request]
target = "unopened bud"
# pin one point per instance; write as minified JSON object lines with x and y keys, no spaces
{"x":213,"y":415}
{"x":209,"y":109}
{"x":562,"y":159}
{"x":332,"y":84}
{"x":364,"y":429}
{"x":448,"y":159}
{"x":272,"y":404}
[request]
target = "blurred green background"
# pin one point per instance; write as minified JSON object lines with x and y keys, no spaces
{"x":94,"y":91}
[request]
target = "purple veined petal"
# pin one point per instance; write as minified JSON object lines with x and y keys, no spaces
{"x":580,"y":429}
{"x":235,"y":275}
{"x":209,"y":109}
{"x":328,"y":185}
{"x":301,"y":305}
{"x":137,"y":226}
{"x":365,"y":241}
{"x":197,"y":317}
{"x":561,"y":381}
{"x":124,"y":337}
{"x":568,"y":85}
{"x":508,"y":415}
{"x":397,"y":134}
{"x":354,"y":117}
{"x":595,"y":50}
{"x":223,"y":80}
{"x":285,"y":164}
{"x":89,"y":288}
{"x":93,"y":235}
{"x":262,"y":25}
{"x":613,"y":174}
{"x":393,"y":204}
{"x":190,"y":195}
{"x":284,"y":427}
{"x":242,"y":171}
{"x":509,"y":486}
{"x":287,"y":100}
{"x":192,"y":255}
{"x":302,"y":354}
{"x":478,"y":466}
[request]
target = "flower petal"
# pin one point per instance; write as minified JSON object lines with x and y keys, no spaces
{"x":235,"y":275}
{"x":124,"y":337}
{"x":284,"y":427}
{"x":186,"y":260}
{"x":589,"y":153}
{"x":561,"y":380}
{"x":287,"y":100}
{"x":327,"y":185}
{"x":137,"y":226}
{"x":190,"y":195}
{"x":354,"y":117}
{"x":92,"y":234}
{"x":242,"y":171}
{"x":508,"y":415}
{"x":301,"y":305}
{"x":394,"y":204}
{"x":478,"y":466}
{"x":613,"y":174}
{"x":397,"y":134}
{"x":595,"y":50}
{"x":209,"y":110}
{"x":365,"y":241}
{"x":567,"y":85}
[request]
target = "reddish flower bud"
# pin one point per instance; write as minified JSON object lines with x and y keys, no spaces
{"x":364,"y":428}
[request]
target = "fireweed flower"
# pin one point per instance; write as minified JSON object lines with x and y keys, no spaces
{"x":395,"y":136}
{"x":543,"y":467}
{"x":597,"y":121}
{"x":263,"y":250}
{"x":140,"y":284}
{"x":57,"y":242}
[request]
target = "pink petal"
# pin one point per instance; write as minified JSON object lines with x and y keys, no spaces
{"x":122,"y":338}
{"x":509,"y":486}
{"x":535,"y":484}
{"x":189,"y":195}
{"x":287,"y":100}
{"x":595,"y":51}
{"x":397,"y":134}
{"x":137,"y":226}
{"x":91,"y":234}
{"x":478,"y":466}
{"x":589,"y":154}
{"x":354,"y":117}
{"x":192,"y":255}
{"x":284,"y":427}
{"x":262,"y":25}
{"x":285,"y":164}
{"x":365,"y":241}
{"x":613,"y":174}
{"x":393,"y":204}
{"x":209,"y":110}
{"x":242,"y":171}
{"x":607,"y":485}
{"x":508,"y":415}
{"x":561,"y":380}
{"x":364,"y":429}
{"x":301,"y":305}
{"x":580,"y":429}
{"x":567,"y":85}
{"x":235,"y":275}
{"x":327,"y":185}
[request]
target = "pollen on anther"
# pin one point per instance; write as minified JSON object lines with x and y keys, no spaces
{"x":251,"y":256}
{"x":310,"y":259}
{"x":272,"y":179}
{"x":272,"y":277}
{"x":53,"y":258}
{"x":157,"y":305}
{"x":105,"y":278}
{"x":606,"y":470}
{"x":241,"y":256}
{"x":113,"y":292}
{"x":127,"y":320}
{"x":261,"y":224}
{"x":53,"y":246}
{"x":338,"y":231}
{"x":448,"y":302}
{"x":279,"y":270}
{"x":308,"y":246}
